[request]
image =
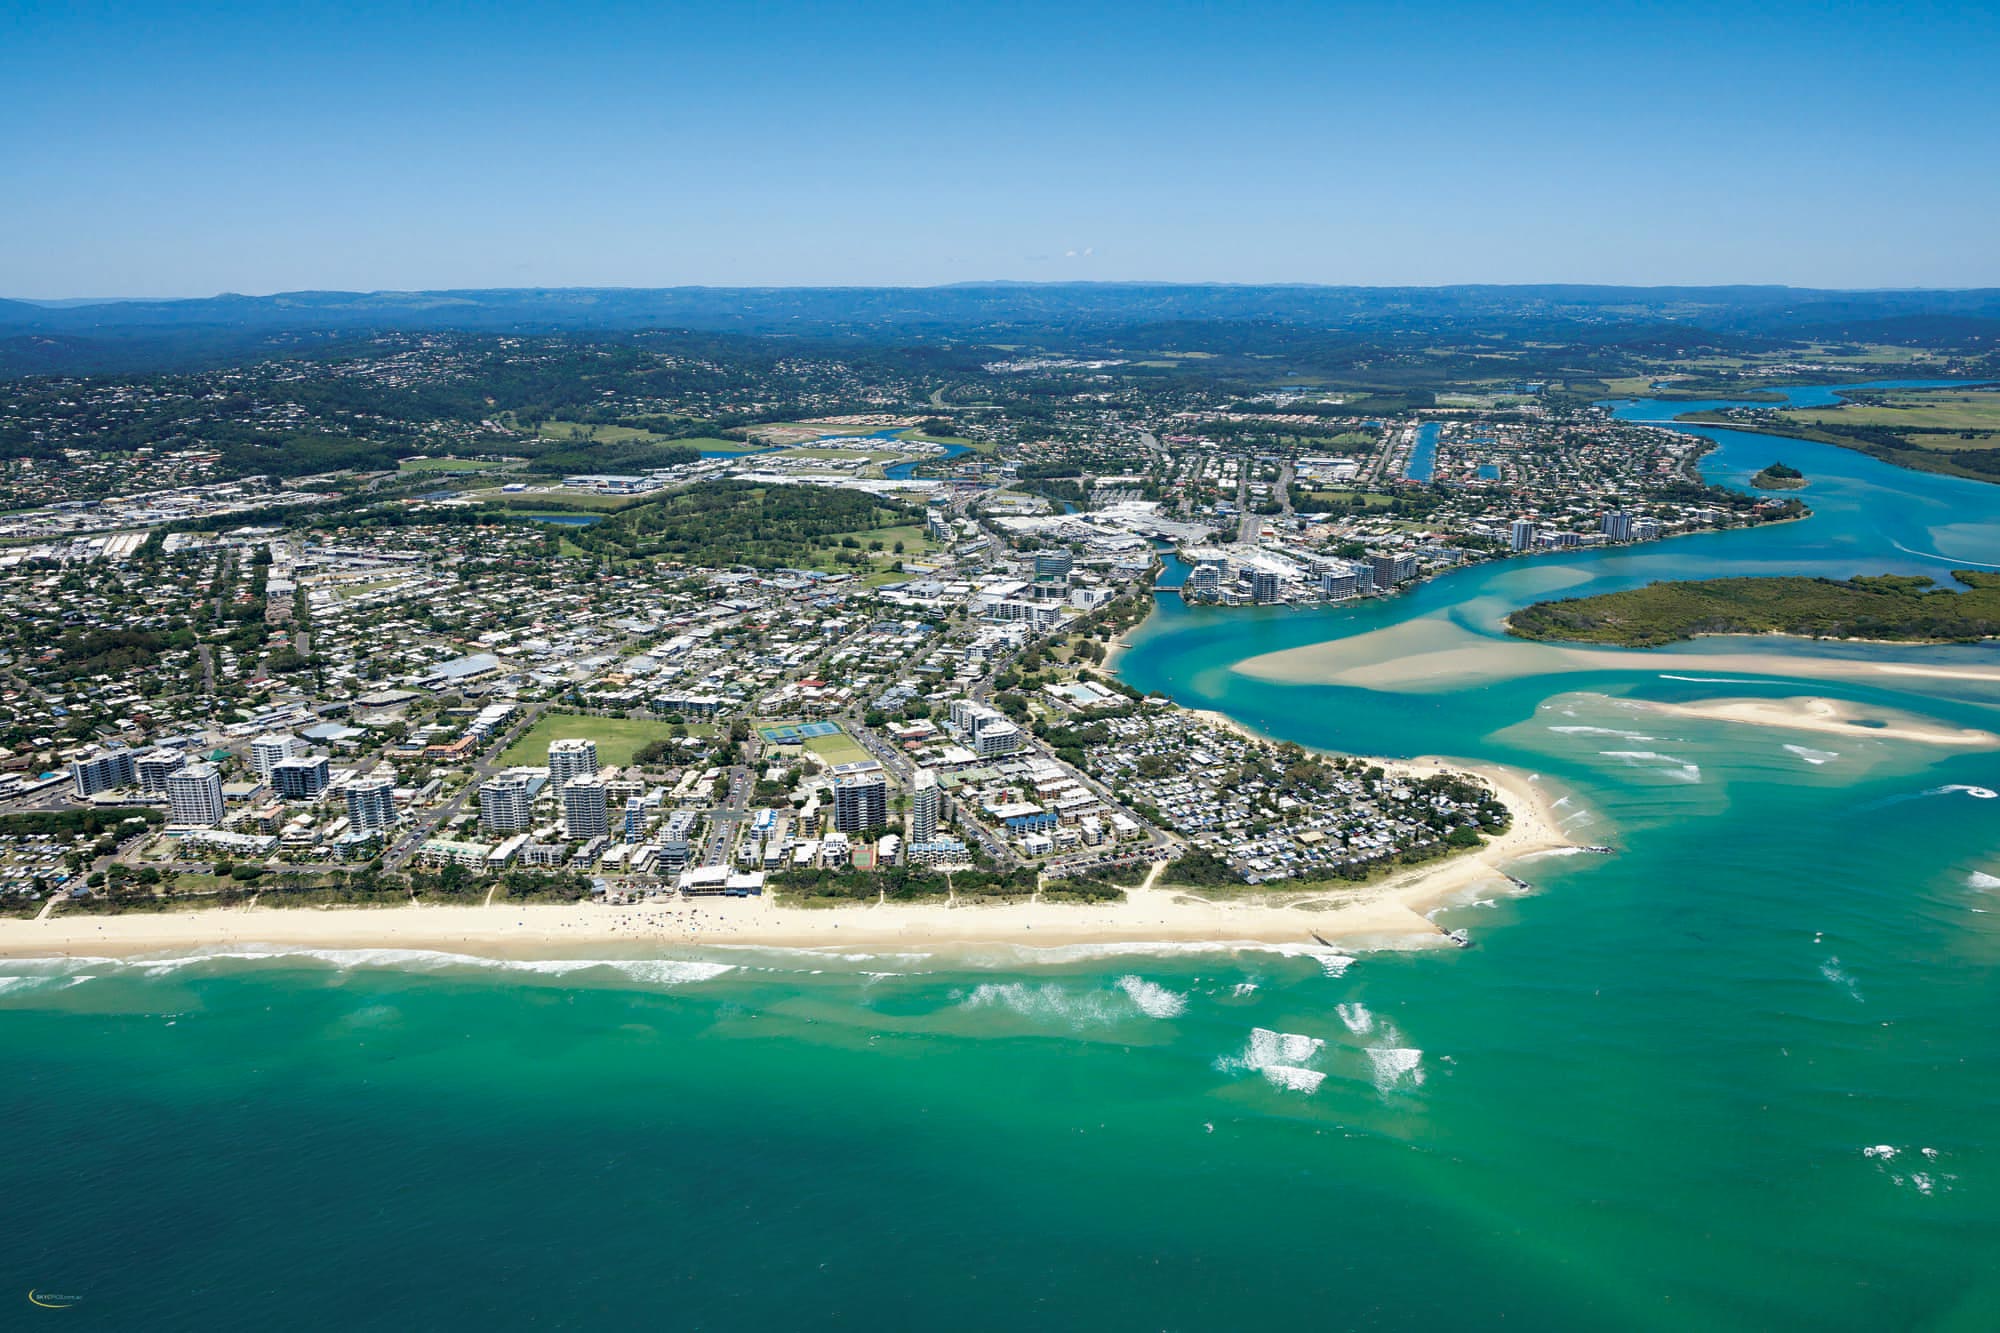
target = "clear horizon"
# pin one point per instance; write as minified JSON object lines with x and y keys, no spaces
{"x":968,"y":282}
{"x":156,"y":152}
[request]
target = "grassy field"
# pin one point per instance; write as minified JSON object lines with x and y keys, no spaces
{"x":1931,"y":410}
{"x":1368,"y":499}
{"x":977,"y":446}
{"x":883,"y":563}
{"x":1952,"y":431}
{"x":618,"y":738}
{"x":522,"y":502}
{"x":841,"y":749}
{"x":716,"y":444}
{"x":579,"y":431}
{"x":445,"y":465}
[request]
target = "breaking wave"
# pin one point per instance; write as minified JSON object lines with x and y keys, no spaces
{"x":1397,"y":1066}
{"x":1356,"y":1018}
{"x":1153,"y":999}
{"x":1976,"y":793}
{"x":1673,"y":766}
{"x":646,"y":971}
{"x":1812,"y":756}
{"x":1284,"y":1059}
{"x":1293,"y":1078}
{"x":1714,"y":680}
{"x":1046,"y":1002}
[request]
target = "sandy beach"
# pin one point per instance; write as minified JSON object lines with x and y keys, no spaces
{"x":1831,"y":717}
{"x":1388,"y":913}
{"x":1425,"y":655}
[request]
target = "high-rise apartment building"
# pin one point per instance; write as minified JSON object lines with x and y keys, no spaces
{"x":194,"y":796}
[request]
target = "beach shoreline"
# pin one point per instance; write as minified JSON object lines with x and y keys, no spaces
{"x":1389,"y":913}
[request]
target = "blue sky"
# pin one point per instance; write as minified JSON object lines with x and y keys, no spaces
{"x":189,"y":148}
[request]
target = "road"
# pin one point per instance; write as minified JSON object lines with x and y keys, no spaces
{"x":405,"y":847}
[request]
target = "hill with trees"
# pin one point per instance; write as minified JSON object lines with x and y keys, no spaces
{"x":1892,"y":607}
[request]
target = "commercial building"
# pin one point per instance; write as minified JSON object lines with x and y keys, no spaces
{"x":860,"y":802}
{"x":585,"y":812}
{"x":194,"y":795}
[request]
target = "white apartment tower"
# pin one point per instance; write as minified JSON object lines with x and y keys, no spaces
{"x":506,"y":804}
{"x":586,"y":813}
{"x":194,"y":795}
{"x":926,"y":805}
{"x":571,"y":759}
{"x":267,"y":751}
{"x":371,"y":804}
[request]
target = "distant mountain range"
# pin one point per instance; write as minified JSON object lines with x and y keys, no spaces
{"x":87,"y":335}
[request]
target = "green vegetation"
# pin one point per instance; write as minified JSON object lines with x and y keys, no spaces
{"x":1778,"y":477}
{"x":86,"y":823}
{"x":723,"y":523}
{"x":1900,"y":608}
{"x":445,"y":465}
{"x":618,"y":738}
{"x":1952,"y":431}
{"x":899,"y":884}
{"x":939,"y":432}
{"x":837,"y":749}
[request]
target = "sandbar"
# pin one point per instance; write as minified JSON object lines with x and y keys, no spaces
{"x":1832,"y":717}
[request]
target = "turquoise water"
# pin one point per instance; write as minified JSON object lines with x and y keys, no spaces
{"x":1654,"y":1096}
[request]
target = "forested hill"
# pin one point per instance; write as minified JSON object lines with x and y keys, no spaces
{"x":1757,"y":311}
{"x":1893,"y":607}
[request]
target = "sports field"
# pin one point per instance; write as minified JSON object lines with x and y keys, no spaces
{"x":618,"y":738}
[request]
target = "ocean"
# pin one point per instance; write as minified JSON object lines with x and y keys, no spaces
{"x":1740,"y":1074}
